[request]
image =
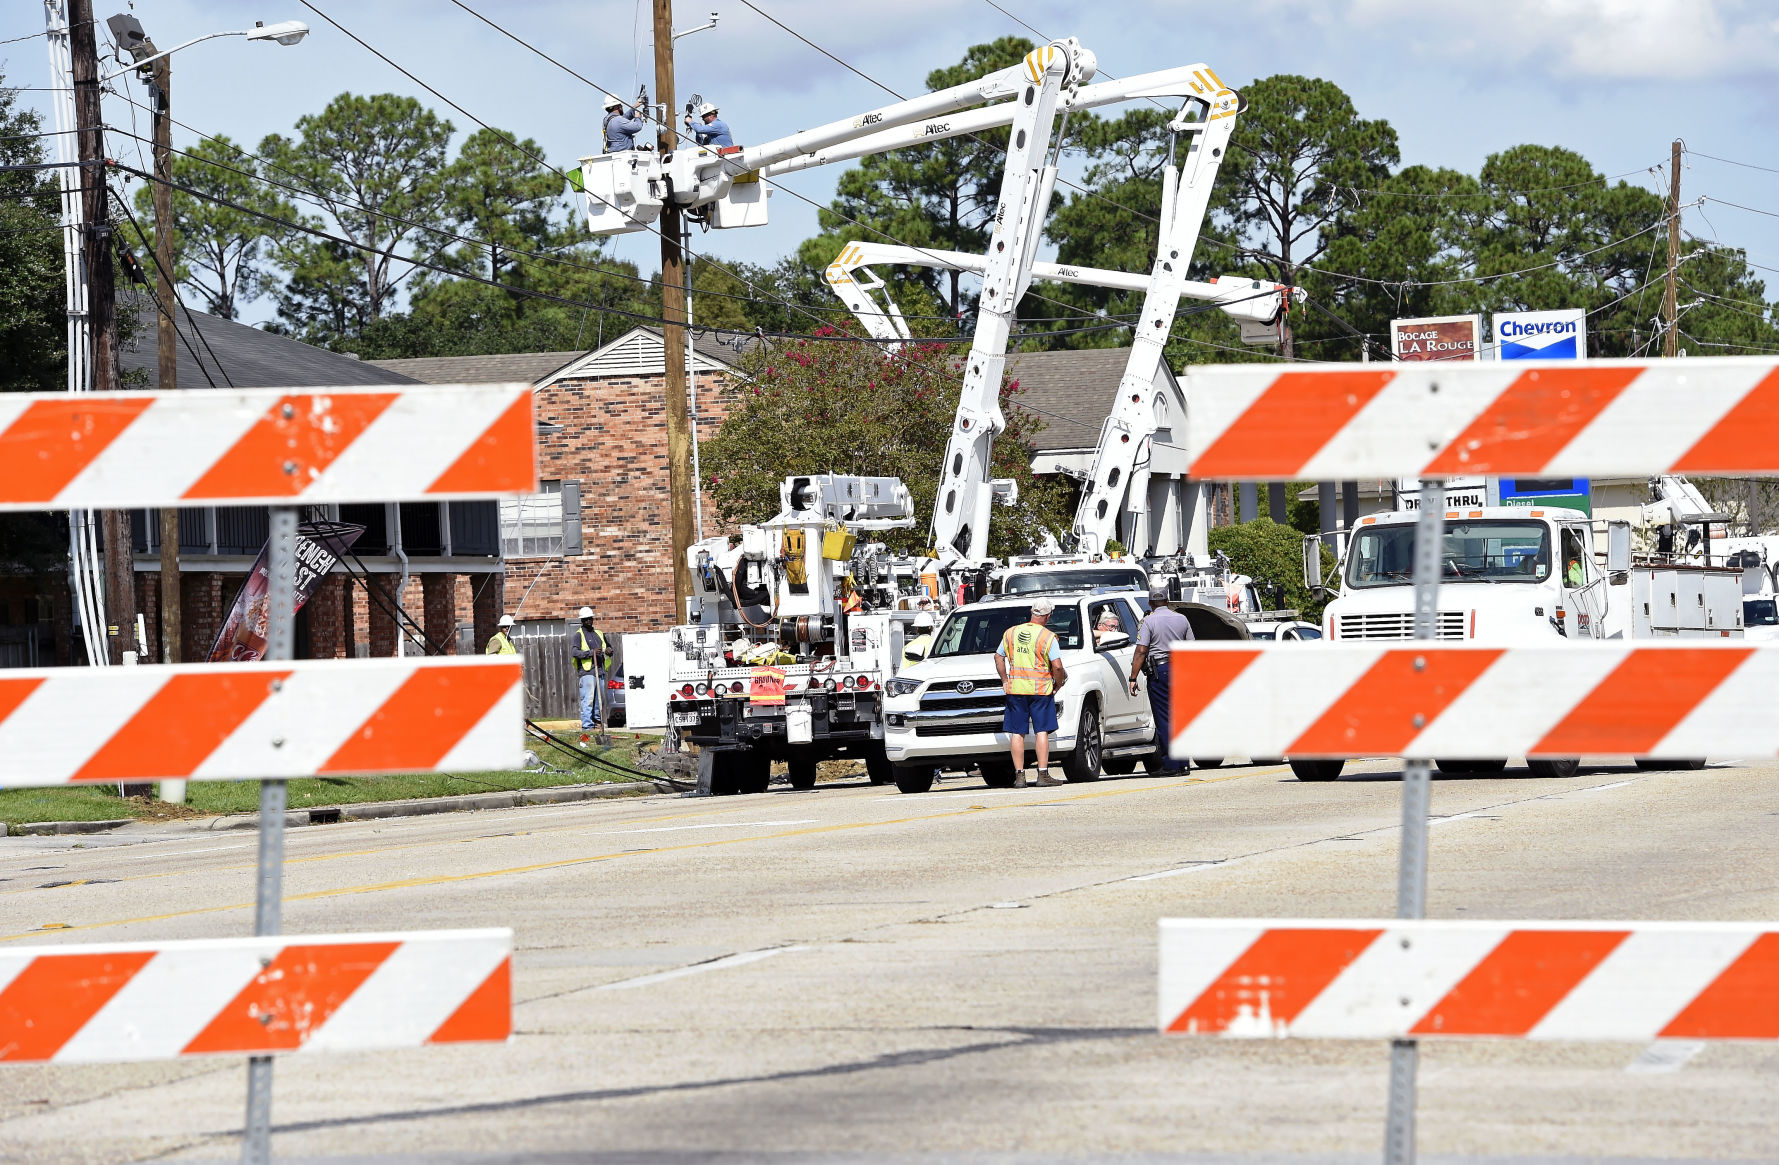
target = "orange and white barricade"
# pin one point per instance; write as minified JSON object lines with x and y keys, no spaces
{"x":254,"y":996}
{"x":1417,"y":979}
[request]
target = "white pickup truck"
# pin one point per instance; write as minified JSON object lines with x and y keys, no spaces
{"x":945,"y":712}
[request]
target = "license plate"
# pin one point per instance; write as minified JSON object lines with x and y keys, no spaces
{"x":685,"y":719}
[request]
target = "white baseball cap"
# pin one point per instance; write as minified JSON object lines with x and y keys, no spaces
{"x":1042,"y":607}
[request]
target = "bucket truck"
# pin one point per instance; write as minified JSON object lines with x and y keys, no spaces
{"x":726,"y":188}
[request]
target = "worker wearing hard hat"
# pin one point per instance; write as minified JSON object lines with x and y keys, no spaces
{"x":916,"y":649}
{"x":588,"y":650}
{"x":711,"y":131}
{"x":621,"y":126}
{"x":501,"y":642}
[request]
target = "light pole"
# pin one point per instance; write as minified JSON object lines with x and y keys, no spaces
{"x":156,"y":67}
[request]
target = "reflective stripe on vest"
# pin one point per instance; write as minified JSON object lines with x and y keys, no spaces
{"x":1029,"y":649}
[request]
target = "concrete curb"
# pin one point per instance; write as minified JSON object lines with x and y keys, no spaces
{"x":465,"y":803}
{"x":46,"y":828}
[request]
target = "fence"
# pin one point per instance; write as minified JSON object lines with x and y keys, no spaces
{"x":1407,"y":979}
{"x":265,"y":721}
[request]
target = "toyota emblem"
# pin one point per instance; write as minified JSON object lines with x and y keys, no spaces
{"x":965,"y":687}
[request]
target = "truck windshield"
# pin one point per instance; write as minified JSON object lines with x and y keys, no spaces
{"x":1076,"y":580}
{"x":978,"y":630}
{"x":1759,"y":613}
{"x":1501,"y":550}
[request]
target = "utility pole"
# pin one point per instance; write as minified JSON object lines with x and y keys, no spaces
{"x":120,"y":583}
{"x":674,"y":333}
{"x":1671,"y":298}
{"x":166,"y":340}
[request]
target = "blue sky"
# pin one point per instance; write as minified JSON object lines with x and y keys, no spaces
{"x":1616,"y":80}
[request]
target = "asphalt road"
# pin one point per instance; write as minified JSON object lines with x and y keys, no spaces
{"x":850,"y":974}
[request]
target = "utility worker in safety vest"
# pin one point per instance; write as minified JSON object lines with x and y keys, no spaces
{"x":1031,"y":674}
{"x":916,"y":649}
{"x":501,"y":642}
{"x":621,"y":126}
{"x":589,"y":666}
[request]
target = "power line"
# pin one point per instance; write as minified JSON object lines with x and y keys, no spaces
{"x":1737,"y":205}
{"x":1730,"y":161}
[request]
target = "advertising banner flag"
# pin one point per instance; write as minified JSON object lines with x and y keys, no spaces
{"x":319,"y":546}
{"x":1437,"y":338}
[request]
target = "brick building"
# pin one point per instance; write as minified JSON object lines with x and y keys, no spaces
{"x":599,"y":532}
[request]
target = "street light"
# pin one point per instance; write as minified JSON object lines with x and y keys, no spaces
{"x":127,"y":31}
{"x":712,"y":23}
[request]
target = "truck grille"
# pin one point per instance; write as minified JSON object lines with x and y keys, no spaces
{"x":1393,"y":625}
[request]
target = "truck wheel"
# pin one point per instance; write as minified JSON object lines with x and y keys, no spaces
{"x":1316,"y":770}
{"x":1120,"y":766}
{"x":1084,"y":763}
{"x":877,"y":765}
{"x":915,"y":778}
{"x":1670,"y":766}
{"x":1465,"y":768}
{"x":802,"y":772}
{"x":996,"y":774}
{"x":1555,"y":769}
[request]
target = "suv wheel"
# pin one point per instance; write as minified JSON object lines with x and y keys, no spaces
{"x":1084,"y":763}
{"x":1560,"y":770}
{"x":1317,"y":770}
{"x":877,"y":764}
{"x":914,"y":778}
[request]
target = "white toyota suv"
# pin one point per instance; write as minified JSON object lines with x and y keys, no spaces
{"x":945,"y":712}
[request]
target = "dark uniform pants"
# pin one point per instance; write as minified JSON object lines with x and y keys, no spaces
{"x":1158,"y":706}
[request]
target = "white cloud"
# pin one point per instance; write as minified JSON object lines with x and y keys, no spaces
{"x":1583,"y":39}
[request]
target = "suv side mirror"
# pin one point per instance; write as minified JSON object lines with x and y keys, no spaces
{"x":1618,"y":547}
{"x":1111,"y":641}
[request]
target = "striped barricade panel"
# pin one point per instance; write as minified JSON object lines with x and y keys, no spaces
{"x":254,"y":996}
{"x":1414,"y":979}
{"x":256,"y":721}
{"x":1669,"y":700}
{"x":268,"y":446}
{"x":1519,"y":418}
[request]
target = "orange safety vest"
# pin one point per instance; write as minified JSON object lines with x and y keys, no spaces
{"x":1029,"y":648}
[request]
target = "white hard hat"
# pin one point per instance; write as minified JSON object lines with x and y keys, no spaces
{"x":612,"y":102}
{"x":706,"y":109}
{"x":924,"y":621}
{"x":506,"y":621}
{"x":584,"y":613}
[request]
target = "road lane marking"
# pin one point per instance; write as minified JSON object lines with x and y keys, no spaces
{"x":1178,"y":870}
{"x":740,"y":960}
{"x":709,"y":825}
{"x":1664,"y":1056}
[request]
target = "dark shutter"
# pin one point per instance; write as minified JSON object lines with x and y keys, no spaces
{"x":571,"y":516}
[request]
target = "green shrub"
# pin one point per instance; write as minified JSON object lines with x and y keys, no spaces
{"x":1271,"y":553}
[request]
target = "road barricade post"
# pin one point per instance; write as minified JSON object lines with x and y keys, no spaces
{"x":264,"y":721}
{"x":1411,"y":979}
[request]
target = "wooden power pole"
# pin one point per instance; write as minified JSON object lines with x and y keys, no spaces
{"x":120,"y":582}
{"x":673,"y":312}
{"x":1671,"y":297}
{"x":166,"y":340}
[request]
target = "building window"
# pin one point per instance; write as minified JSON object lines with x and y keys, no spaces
{"x":531,"y":525}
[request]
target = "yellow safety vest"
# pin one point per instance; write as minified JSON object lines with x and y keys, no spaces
{"x":501,"y":644}
{"x":587,"y":664}
{"x":916,"y":649}
{"x":1029,"y":648}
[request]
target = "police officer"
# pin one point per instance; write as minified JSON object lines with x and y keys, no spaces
{"x":501,"y":642}
{"x":1163,"y":627}
{"x":621,"y":126}
{"x":589,"y":665}
{"x":712,"y":132}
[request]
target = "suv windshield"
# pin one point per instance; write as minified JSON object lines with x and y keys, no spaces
{"x":1759,"y":613}
{"x":1501,"y":550}
{"x":978,"y":630}
{"x":1076,"y":580}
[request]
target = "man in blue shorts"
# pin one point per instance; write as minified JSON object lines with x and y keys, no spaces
{"x":1031,"y":674}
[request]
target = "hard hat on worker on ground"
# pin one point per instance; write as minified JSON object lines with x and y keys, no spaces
{"x":612,"y":102}
{"x":586,"y":613}
{"x":923,"y":621}
{"x":506,"y":621}
{"x":706,"y":109}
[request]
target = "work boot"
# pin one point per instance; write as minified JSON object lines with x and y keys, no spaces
{"x":1049,"y":777}
{"x":1019,"y":781}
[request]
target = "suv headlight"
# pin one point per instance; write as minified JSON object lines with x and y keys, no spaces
{"x":901,"y":687}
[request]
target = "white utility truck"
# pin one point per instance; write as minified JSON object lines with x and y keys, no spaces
{"x":1515,"y":576}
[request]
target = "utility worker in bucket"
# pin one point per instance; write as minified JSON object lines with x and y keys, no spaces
{"x":501,"y":642}
{"x":621,"y":126}
{"x":588,"y":650}
{"x":1031,"y":674}
{"x":711,"y":131}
